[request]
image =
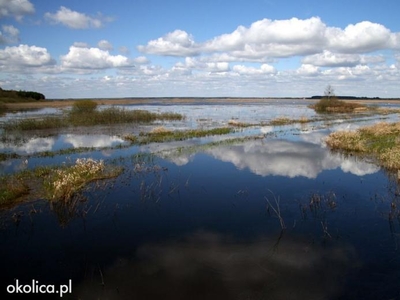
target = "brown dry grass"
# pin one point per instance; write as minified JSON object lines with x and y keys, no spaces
{"x":381,"y":140}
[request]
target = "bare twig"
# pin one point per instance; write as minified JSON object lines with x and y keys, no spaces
{"x":277,"y":209}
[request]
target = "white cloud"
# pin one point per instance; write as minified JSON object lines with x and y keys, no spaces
{"x":105,"y":45}
{"x":92,"y":59}
{"x":141,"y":60}
{"x":266,"y":39}
{"x":176,"y":43}
{"x":244,"y":70}
{"x":277,"y":38}
{"x":9,"y":35}
{"x":362,"y":37}
{"x":329,"y":59}
{"x":75,"y":20}
{"x":18,"y":58}
{"x":308,"y":70}
{"x":16,"y":8}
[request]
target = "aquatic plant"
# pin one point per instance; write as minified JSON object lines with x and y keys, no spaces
{"x":11,"y":189}
{"x":163,"y":135}
{"x":83,"y":106}
{"x":276,"y":209}
{"x":334,"y":105}
{"x":89,"y":116}
{"x":63,"y":183}
{"x":380,"y":140}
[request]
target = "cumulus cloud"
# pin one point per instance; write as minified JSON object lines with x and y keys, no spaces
{"x":141,"y":60}
{"x":308,"y":70}
{"x":244,"y":70}
{"x":75,"y":20}
{"x":267,"y":39}
{"x":105,"y":45}
{"x":22,"y":56}
{"x":92,"y":59}
{"x":9,"y":34}
{"x":176,"y":43}
{"x":17,"y":9}
{"x":359,"y":38}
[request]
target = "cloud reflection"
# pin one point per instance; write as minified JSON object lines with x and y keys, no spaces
{"x":285,"y":158}
{"x":97,"y":140}
{"x":211,"y":266}
{"x":31,"y":146}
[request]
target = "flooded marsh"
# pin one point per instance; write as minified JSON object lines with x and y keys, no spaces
{"x":235,"y":201}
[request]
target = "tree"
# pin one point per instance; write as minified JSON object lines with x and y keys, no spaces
{"x":329,"y":92}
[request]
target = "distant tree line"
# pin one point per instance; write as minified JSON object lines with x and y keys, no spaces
{"x":30,"y":94}
{"x":348,"y":97}
{"x":20,"y":95}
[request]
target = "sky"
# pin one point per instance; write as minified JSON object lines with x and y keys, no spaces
{"x":210,"y":48}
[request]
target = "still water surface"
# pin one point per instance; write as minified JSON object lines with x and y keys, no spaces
{"x":198,"y":219}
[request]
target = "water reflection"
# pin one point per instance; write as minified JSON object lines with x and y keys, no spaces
{"x":29,"y":146}
{"x":42,"y":144}
{"x":96,"y":141}
{"x":212,"y":266}
{"x":283,"y":158}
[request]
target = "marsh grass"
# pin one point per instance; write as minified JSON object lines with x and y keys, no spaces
{"x":160,"y":134}
{"x":36,"y":123}
{"x":91,"y":117}
{"x":380,"y":140}
{"x":237,"y":123}
{"x":64,"y":183}
{"x":333,"y":105}
{"x":115,"y":115}
{"x":54,"y":183}
{"x":281,"y":121}
{"x":12,"y":188}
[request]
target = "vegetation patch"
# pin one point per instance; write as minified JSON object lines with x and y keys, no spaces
{"x":63,"y":183}
{"x":333,"y":105}
{"x":12,"y":188}
{"x":59,"y":183}
{"x":159,"y":135}
{"x":20,"y":96}
{"x":85,"y":113}
{"x":380,"y":140}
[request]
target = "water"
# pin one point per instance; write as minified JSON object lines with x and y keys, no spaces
{"x":199,"y":219}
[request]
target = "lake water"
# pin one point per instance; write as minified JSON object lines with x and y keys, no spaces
{"x":199,"y":219}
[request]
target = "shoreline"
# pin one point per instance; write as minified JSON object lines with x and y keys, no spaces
{"x":163,"y":101}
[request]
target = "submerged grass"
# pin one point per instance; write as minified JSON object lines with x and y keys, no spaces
{"x":381,"y":140}
{"x":57,"y":183}
{"x":63,"y":183}
{"x":12,"y":188}
{"x":91,"y":117}
{"x":161,"y":134}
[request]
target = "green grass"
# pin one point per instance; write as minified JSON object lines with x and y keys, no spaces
{"x":54,"y":183}
{"x":381,"y":140}
{"x":12,"y":188}
{"x":36,"y":124}
{"x":88,"y":117}
{"x":159,"y":136}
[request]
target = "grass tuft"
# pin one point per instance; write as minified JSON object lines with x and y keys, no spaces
{"x":334,"y":105}
{"x":380,"y":140}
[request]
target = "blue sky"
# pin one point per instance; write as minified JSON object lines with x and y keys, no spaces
{"x":177,"y":48}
